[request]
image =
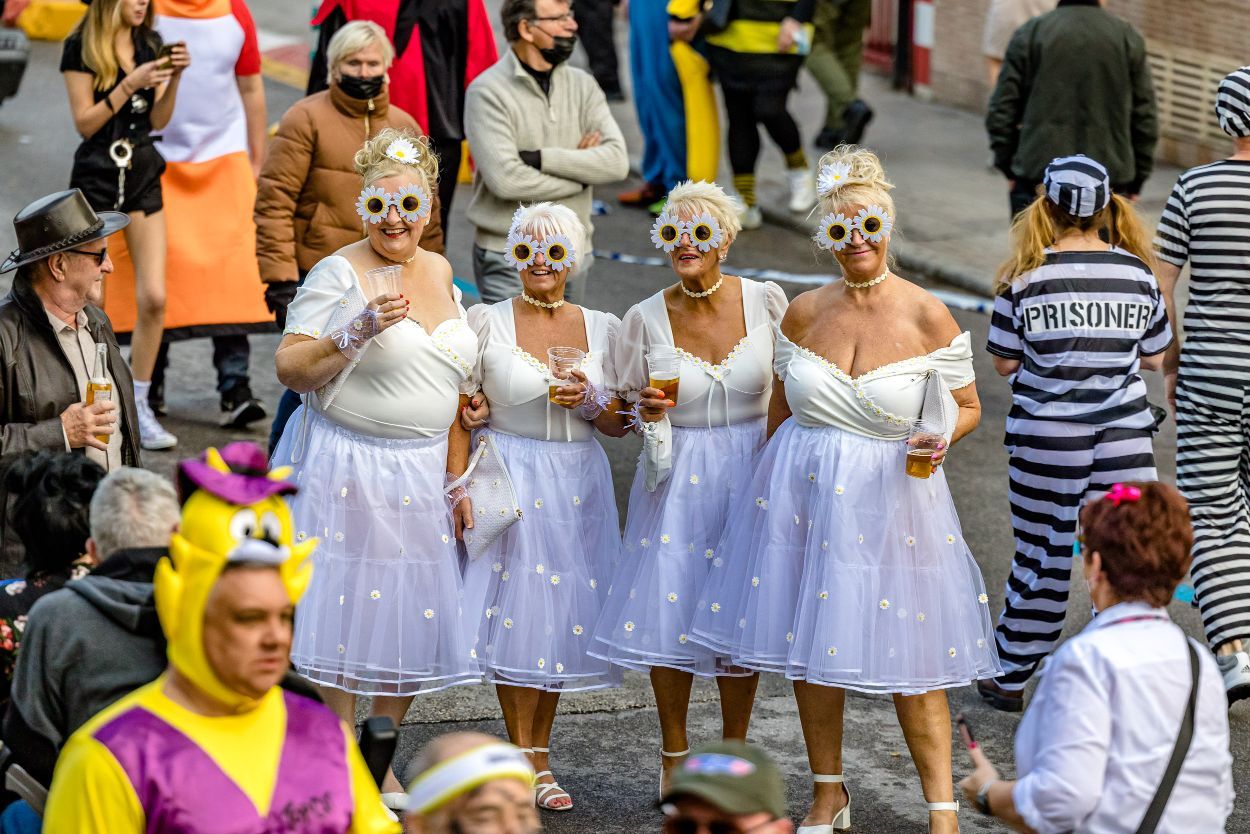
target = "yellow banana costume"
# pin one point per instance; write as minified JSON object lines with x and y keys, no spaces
{"x":280,"y":762}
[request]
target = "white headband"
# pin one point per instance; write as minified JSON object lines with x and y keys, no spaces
{"x":461,"y":774}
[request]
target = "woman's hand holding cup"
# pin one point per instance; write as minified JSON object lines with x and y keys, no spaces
{"x":572,"y":393}
{"x":391,"y":308}
{"x":652,"y":404}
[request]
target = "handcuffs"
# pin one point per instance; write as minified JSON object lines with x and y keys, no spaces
{"x":122,"y":151}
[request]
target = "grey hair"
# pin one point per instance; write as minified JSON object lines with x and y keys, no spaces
{"x":544,"y":219}
{"x":133,"y":508}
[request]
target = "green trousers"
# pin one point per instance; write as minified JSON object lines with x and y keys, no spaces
{"x":837,"y":51}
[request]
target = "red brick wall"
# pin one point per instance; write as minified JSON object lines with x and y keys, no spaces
{"x":1216,"y":29}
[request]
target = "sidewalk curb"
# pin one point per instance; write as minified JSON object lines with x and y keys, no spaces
{"x":915,"y":263}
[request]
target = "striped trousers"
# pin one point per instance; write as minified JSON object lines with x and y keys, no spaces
{"x":1213,"y":473}
{"x":1054,"y":467}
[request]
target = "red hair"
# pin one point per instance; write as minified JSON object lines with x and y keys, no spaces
{"x":1144,"y":543}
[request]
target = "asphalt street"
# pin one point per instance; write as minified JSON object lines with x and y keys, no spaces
{"x":606,"y":744}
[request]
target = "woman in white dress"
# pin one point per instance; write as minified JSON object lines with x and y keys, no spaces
{"x":382,"y":380}
{"x":839,"y":570}
{"x":534,"y":596}
{"x":722,"y":328}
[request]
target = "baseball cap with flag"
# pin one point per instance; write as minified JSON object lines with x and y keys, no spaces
{"x":736,"y":777}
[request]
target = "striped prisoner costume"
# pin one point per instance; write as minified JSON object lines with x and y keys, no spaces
{"x":1078,"y":424}
{"x":1207,"y":223}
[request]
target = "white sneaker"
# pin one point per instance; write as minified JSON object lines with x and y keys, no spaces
{"x":1236,"y":670}
{"x":152,"y":435}
{"x":751,"y":218}
{"x":802,"y":189}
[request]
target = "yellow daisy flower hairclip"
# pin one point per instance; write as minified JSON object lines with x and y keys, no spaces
{"x":832,"y":176}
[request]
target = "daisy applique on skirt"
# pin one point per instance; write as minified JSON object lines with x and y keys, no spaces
{"x":840,"y":569}
{"x":533,"y":599}
{"x":382,"y":615}
{"x":672,"y":538}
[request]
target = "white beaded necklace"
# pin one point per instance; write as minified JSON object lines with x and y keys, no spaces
{"x":866,"y":284}
{"x":706,"y":292}
{"x":546,"y":305}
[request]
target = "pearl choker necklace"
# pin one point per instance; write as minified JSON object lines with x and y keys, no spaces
{"x":706,"y":292}
{"x":546,"y":305}
{"x":866,"y":284}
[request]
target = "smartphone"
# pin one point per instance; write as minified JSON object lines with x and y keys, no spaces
{"x":965,"y":731}
{"x":165,"y":57}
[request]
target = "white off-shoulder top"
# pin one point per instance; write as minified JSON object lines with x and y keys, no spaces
{"x":516,"y":382}
{"x":408,"y":382}
{"x":881,"y":403}
{"x":734,"y":390}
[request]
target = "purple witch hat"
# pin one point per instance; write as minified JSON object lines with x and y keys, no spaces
{"x":239,"y":474}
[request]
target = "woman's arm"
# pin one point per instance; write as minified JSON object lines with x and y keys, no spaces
{"x":458,"y":439}
{"x":252,"y":91}
{"x":1004,"y":366}
{"x":969,"y":411}
{"x":778,"y":407}
{"x":179,"y":59}
{"x":305,"y":363}
{"x":1168,"y":275}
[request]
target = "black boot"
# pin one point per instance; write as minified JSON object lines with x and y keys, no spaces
{"x":855,"y":119}
{"x":829,"y":138}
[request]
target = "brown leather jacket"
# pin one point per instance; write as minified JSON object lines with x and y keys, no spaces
{"x":37,"y":383}
{"x":306,"y":198}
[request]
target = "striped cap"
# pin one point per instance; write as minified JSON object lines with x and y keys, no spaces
{"x":1078,"y":185}
{"x":1232,"y":103}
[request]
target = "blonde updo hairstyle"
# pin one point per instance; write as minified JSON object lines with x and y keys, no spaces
{"x":373,"y":164}
{"x":690,"y":198}
{"x":545,"y":219}
{"x":865,"y":185}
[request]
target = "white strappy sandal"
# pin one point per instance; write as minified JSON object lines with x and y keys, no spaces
{"x":669,"y":755}
{"x":544,"y":792}
{"x":841,"y":820}
{"x":943,"y":806}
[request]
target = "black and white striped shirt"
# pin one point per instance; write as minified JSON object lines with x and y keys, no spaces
{"x":1079,"y":324}
{"x":1207,"y":223}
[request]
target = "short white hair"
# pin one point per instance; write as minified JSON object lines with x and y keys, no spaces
{"x":133,"y":508}
{"x":540,"y":220}
{"x":693,"y":197}
{"x":354,"y":37}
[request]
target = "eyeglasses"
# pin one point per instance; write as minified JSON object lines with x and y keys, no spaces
{"x":687,"y":825}
{"x":99,"y":256}
{"x":567,"y":17}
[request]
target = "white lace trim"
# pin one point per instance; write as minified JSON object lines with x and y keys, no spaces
{"x":856,"y":383}
{"x":720,"y":369}
{"x":533,"y":361}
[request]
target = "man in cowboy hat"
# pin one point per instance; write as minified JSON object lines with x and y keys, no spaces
{"x":50,"y":325}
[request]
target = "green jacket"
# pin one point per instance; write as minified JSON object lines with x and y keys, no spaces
{"x":1075,"y":80}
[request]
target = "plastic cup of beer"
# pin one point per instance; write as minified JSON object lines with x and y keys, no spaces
{"x":922,"y":443}
{"x":382,"y":280}
{"x":664,"y":370}
{"x":561,"y":362}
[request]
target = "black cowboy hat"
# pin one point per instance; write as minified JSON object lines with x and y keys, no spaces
{"x":58,"y":222}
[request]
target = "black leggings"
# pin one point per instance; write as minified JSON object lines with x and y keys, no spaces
{"x":747,"y":108}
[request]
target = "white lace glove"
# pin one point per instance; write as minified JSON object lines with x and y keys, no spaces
{"x":352,"y":337}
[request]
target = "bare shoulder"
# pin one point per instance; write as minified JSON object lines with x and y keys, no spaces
{"x":803,"y":310}
{"x":435,"y":266}
{"x":932,"y":317}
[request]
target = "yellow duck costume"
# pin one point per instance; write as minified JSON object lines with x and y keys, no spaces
{"x":279,"y":764}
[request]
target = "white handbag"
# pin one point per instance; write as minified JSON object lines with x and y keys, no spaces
{"x":940,"y":411}
{"x":657,"y":452}
{"x":489,"y":489}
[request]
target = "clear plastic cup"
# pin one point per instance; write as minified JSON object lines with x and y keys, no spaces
{"x":664,"y":370}
{"x":382,"y":280}
{"x":561,"y":362}
{"x":922,"y":442}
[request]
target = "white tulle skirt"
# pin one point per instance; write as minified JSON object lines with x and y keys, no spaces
{"x":839,"y":569}
{"x":672,"y":540}
{"x":382,"y":615}
{"x":533,"y":599}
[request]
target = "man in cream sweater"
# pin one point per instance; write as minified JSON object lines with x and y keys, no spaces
{"x":538,"y":130}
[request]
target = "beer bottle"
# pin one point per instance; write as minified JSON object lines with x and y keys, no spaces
{"x":99,"y":387}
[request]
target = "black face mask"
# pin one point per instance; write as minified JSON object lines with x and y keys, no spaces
{"x":560,"y":50}
{"x":361,"y":88}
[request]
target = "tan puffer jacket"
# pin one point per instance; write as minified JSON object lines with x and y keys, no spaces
{"x":306,"y":199}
